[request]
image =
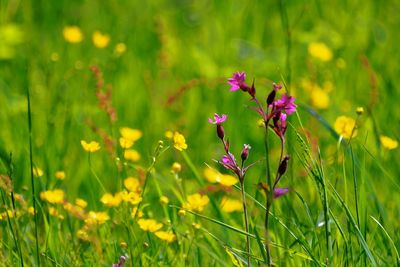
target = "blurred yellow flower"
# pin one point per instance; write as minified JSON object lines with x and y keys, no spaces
{"x":319,"y":98}
{"x":179,"y":141}
{"x":176,"y":167}
{"x":360,"y":110}
{"x":31,"y":210}
{"x":130,"y":134}
{"x":345,"y":126}
{"x":164,"y":200}
{"x":169,"y":134}
{"x":120,"y":48}
{"x":125,"y":143}
{"x":60,"y":175}
{"x":149,"y":225}
{"x":196,"y":202}
{"x":82,"y":234}
{"x":181,"y":212}
{"x":72,"y":34}
{"x":54,"y":212}
{"x":38,"y":172}
{"x":320,"y":51}
{"x":111,"y":201}
{"x":231,"y":205}
{"x":97,"y":217}
{"x":55,"y":196}
{"x":388,"y":142}
{"x":81,"y":203}
{"x":133,"y":198}
{"x":100,"y":40}
{"x":132,"y":184}
{"x":134,"y":211}
{"x":214,"y":176}
{"x":132,"y":155}
{"x":90,"y":147}
{"x":166,"y":236}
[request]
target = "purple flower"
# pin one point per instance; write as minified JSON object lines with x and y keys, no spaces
{"x":121,"y":263}
{"x":277,"y":87}
{"x":218,"y":119}
{"x":237,"y":80}
{"x":286,"y":104}
{"x":229,"y":162}
{"x":245,"y":152}
{"x":278,"y":192}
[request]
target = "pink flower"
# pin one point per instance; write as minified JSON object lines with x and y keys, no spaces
{"x":229,"y":162}
{"x":218,"y":119}
{"x":278,"y":192}
{"x":237,"y":80}
{"x":286,"y":104}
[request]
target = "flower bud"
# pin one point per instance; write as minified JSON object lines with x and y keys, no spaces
{"x":271,"y":97}
{"x":360,"y":110}
{"x":245,"y":152}
{"x":220,"y":131}
{"x":283,"y":166}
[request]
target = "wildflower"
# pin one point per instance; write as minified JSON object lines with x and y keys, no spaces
{"x":130,"y":134}
{"x":286,"y":104}
{"x":134,"y":211}
{"x":179,"y":141}
{"x":230,"y":205}
{"x":280,"y":124}
{"x":164,"y":200}
{"x":132,"y":184}
{"x":111,"y":201}
{"x":72,"y":34}
{"x":196,"y":202}
{"x":121,"y":262}
{"x":278,"y":192}
{"x":169,"y":134}
{"x":237,"y":80}
{"x":38,"y":172}
{"x":196,"y":226}
{"x":100,"y":40}
{"x":60,"y":175}
{"x":123,"y":245}
{"x":245,"y":152}
{"x":132,"y":155}
{"x":82,"y":234}
{"x":120,"y":48}
{"x":181,"y":212}
{"x":360,"y":110}
{"x":229,"y":162}
{"x":214,"y":176}
{"x":345,"y":126}
{"x":166,"y":236}
{"x":97,"y":218}
{"x":319,"y":98}
{"x":125,"y":143}
{"x":81,"y":203}
{"x":149,"y":225}
{"x":320,"y":51}
{"x":388,"y":142}
{"x":53,"y":196}
{"x":54,"y":212}
{"x":75,"y":211}
{"x":218,"y":119}
{"x":90,"y":147}
{"x":176,"y":167}
{"x":131,"y":197}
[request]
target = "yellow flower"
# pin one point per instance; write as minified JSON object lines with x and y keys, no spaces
{"x":90,"y":147}
{"x":231,"y":205}
{"x":181,"y":213}
{"x":132,"y":155}
{"x":72,"y":34}
{"x":166,"y":236}
{"x":81,"y":203}
{"x":388,"y":142}
{"x":60,"y":175}
{"x":360,"y":110}
{"x":164,"y":200}
{"x":134,"y":211}
{"x":345,"y":126}
{"x":130,"y":134}
{"x":176,"y":167}
{"x":100,"y":40}
{"x":125,"y":143}
{"x":131,"y":197}
{"x":149,"y":225}
{"x":120,"y":48}
{"x":53,"y":196}
{"x":111,"y":201}
{"x":179,"y":141}
{"x":169,"y":134}
{"x":97,"y":218}
{"x":31,"y":210}
{"x":76,"y":211}
{"x":132,"y":184}
{"x":38,"y":172}
{"x":320,"y":51}
{"x":196,"y":202}
{"x":319,"y":98}
{"x":214,"y":176}
{"x":82,"y":234}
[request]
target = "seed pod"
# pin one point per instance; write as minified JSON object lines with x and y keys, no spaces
{"x":283,"y":166}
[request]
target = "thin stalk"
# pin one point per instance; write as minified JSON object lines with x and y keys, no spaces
{"x":355,"y":187}
{"x":95,"y":175}
{"x":246,"y":220}
{"x":270,"y":196}
{"x":32,"y":178}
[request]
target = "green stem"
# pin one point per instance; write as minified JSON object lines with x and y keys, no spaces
{"x":192,"y":167}
{"x":95,"y":175}
{"x":32,"y":178}
{"x":269,"y":196}
{"x":246,"y":220}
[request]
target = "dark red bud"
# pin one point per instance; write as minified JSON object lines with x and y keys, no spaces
{"x":271,"y":97}
{"x":220,"y":131}
{"x":245,"y":152}
{"x":283,"y":166}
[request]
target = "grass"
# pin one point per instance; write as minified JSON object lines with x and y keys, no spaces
{"x":341,"y":209}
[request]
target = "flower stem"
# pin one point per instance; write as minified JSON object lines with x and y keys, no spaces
{"x":246,"y":220}
{"x":269,"y":196}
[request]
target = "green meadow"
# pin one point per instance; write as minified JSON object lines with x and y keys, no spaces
{"x":108,"y":157}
